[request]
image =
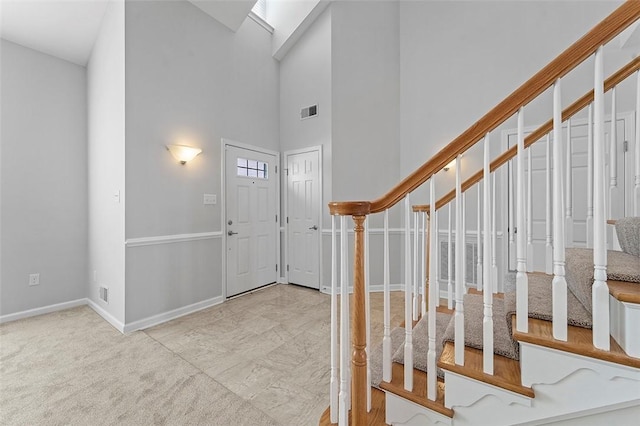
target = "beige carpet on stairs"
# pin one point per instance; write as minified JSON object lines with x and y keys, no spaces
{"x":420,"y":346}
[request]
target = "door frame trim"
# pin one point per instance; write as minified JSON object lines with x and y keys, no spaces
{"x":286,"y":154}
{"x":225,"y":142}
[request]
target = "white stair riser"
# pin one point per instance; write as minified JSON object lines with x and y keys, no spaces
{"x":625,"y":318}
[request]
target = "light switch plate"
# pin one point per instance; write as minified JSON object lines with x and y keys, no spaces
{"x":209,"y":199}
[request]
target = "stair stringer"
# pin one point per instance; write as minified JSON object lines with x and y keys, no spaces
{"x":565,"y":385}
{"x":402,"y":412}
{"x":463,"y":391}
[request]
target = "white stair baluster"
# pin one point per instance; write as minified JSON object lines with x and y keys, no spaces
{"x":559,"y":283}
{"x":450,"y":260}
{"x":433,"y":297}
{"x":344,"y":399}
{"x":494,"y":236}
{"x":529,"y":209}
{"x":408,"y":326}
{"x":367,"y":309}
{"x":522,"y":282}
{"x":590,"y":176}
{"x":386,"y":340}
{"x":613,"y":160}
{"x":435,"y":263}
{"x":463,"y":231}
{"x":636,"y":188}
{"x":548,"y":264}
{"x":334,"y":383}
{"x":479,"y":277}
{"x":568,"y":190}
{"x":600,"y":291}
{"x":416,"y":288}
{"x":512,"y":210}
{"x":459,"y":312}
{"x":424,"y":253}
{"x":487,"y":295}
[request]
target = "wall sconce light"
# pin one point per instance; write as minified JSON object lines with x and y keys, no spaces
{"x":450,"y":165}
{"x":183,"y":153}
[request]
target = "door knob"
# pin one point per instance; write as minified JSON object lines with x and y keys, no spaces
{"x":230,"y":233}
{"x":314,"y":227}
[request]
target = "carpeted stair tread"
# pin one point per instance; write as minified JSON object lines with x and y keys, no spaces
{"x":621,"y":266}
{"x":541,"y":303}
{"x":420,"y":346}
{"x":503,"y":343}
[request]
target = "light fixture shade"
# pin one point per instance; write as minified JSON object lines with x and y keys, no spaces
{"x":183,"y":153}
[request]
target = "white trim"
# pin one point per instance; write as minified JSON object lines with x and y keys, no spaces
{"x":264,"y":24}
{"x":171,"y":315}
{"x":176,"y":238}
{"x":106,"y":315}
{"x":378,"y":288}
{"x":400,"y":231}
{"x":285,"y":184}
{"x":372,"y":231}
{"x":42,"y":310}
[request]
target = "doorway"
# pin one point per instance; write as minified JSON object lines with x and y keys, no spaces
{"x":303,"y":216}
{"x":251,"y":223}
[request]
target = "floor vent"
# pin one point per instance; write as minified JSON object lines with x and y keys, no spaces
{"x":104,"y":294}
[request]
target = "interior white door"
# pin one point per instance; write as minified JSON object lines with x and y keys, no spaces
{"x":579,"y":190}
{"x":251,"y":183}
{"x":303,"y":218}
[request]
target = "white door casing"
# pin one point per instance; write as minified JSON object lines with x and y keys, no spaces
{"x":250,"y":219}
{"x":303,"y":212}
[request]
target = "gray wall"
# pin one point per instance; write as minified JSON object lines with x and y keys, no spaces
{"x":106,"y":164}
{"x":189,"y":80}
{"x":305,"y":79}
{"x":43,"y":179}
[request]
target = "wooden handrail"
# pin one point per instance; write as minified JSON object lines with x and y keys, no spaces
{"x":602,"y":33}
{"x":618,"y":77}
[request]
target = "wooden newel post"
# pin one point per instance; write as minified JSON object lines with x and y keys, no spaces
{"x":359,"y":356}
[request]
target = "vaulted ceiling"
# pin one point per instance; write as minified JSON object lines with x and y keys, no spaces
{"x":68,"y":28}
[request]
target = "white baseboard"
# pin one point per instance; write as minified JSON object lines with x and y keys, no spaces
{"x":43,"y":310}
{"x":170,"y":315}
{"x":106,"y":316}
{"x":374,"y":288}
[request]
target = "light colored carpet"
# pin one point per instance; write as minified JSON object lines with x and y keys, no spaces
{"x":621,"y":266}
{"x":420,"y":346}
{"x":503,"y":343}
{"x":541,"y":302}
{"x":256,"y":360}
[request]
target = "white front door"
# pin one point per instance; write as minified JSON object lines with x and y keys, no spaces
{"x":303,"y":217}
{"x":251,"y":182}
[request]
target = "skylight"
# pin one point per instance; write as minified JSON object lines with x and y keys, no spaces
{"x":260,"y":9}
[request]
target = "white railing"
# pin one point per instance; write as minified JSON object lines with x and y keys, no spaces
{"x":420,"y":256}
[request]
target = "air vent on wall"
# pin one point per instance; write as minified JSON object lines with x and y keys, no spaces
{"x":309,"y":112}
{"x":104,"y":294}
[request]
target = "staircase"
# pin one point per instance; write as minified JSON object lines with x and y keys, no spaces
{"x":559,"y":346}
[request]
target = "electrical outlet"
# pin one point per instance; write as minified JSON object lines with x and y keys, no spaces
{"x":34,"y":279}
